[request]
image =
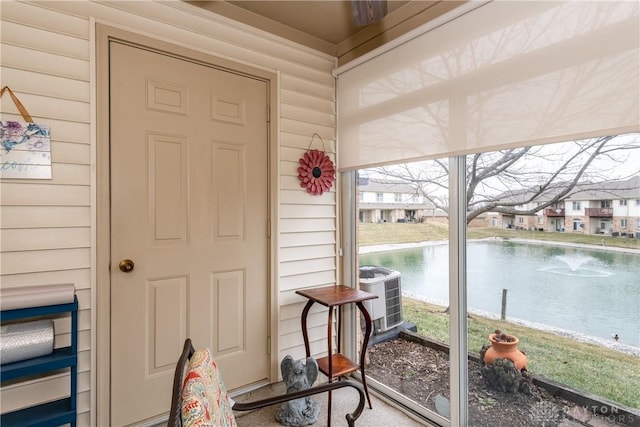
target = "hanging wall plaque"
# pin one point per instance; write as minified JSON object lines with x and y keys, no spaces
{"x":25,"y":147}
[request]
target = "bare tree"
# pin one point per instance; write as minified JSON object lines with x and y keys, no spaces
{"x":499,"y":181}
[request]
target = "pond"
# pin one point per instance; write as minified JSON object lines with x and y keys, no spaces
{"x":591,"y":292}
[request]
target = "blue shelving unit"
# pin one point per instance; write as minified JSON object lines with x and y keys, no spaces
{"x":58,"y":412}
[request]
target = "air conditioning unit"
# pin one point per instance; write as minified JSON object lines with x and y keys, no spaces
{"x":386,"y":310}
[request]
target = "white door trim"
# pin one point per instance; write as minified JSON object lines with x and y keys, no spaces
{"x":102,"y":309}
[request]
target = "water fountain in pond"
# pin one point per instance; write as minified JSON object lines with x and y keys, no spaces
{"x":576,"y":261}
{"x":577,"y":265}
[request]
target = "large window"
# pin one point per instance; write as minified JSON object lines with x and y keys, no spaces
{"x":498,"y":80}
{"x":551,"y":290}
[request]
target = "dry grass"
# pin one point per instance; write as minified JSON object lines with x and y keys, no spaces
{"x":370,"y":234}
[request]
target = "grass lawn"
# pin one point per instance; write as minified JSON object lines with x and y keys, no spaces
{"x":588,"y":367}
{"x":385,"y":233}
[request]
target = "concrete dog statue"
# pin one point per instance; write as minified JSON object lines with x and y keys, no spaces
{"x":298,"y":376}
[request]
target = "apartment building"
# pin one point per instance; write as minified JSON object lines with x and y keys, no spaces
{"x":380,"y":201}
{"x":611,"y":208}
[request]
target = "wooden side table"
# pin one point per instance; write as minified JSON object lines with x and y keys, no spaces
{"x":336,"y":365}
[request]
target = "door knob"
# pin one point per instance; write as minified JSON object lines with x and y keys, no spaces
{"x":126,"y":265}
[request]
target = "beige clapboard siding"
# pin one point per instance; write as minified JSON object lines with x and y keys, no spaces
{"x":294,"y":310}
{"x":302,"y":239}
{"x":303,"y":270}
{"x":303,"y":225}
{"x":70,"y":174}
{"x":44,"y":216}
{"x":303,"y":109}
{"x":316,"y":334}
{"x":81,"y":279}
{"x":52,"y":387}
{"x":30,"y":393}
{"x":84,"y":364}
{"x":28,"y":194}
{"x":45,"y":260}
{"x":314,"y":118}
{"x":44,"y":62}
{"x":29,"y":239}
{"x":62,"y":174}
{"x":307,"y":266}
{"x":307,"y":252}
{"x":300,"y":196}
{"x":305,"y":128}
{"x":300,"y":85}
{"x":312,"y":103}
{"x":293,"y":146}
{"x":306,"y":280}
{"x":16,"y":34}
{"x":289,"y":284}
{"x":290,"y":156}
{"x":317,"y":343}
{"x":71,"y":152}
{"x":43,"y":108}
{"x":315,"y":317}
{"x":299,"y":211}
{"x":26,"y":81}
{"x":36,"y":16}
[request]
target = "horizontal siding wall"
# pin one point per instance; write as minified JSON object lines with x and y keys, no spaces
{"x":47,"y":226}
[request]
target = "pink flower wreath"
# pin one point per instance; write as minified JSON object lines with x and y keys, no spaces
{"x":316,"y":172}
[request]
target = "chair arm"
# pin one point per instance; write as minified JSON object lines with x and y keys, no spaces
{"x":351,"y":418}
{"x":178,"y":377}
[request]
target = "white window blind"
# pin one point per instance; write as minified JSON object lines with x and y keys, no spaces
{"x":505,"y":74}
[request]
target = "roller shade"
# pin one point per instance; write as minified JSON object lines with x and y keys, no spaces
{"x":502,"y":75}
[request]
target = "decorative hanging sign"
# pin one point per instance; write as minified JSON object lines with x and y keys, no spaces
{"x":25,"y":148}
{"x":316,"y":172}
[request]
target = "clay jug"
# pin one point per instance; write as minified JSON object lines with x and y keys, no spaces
{"x":506,"y":350}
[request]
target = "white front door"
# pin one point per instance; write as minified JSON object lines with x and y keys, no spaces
{"x":189,"y":208}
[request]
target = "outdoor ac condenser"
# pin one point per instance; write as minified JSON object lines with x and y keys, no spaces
{"x":386,"y":310}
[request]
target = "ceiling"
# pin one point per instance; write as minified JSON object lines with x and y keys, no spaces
{"x":326,"y":25}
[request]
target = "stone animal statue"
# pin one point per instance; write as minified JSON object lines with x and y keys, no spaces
{"x":298,"y":376}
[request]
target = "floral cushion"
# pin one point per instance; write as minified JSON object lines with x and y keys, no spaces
{"x":205,"y":401}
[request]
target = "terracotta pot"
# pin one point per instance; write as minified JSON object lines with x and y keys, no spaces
{"x":506,"y":350}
